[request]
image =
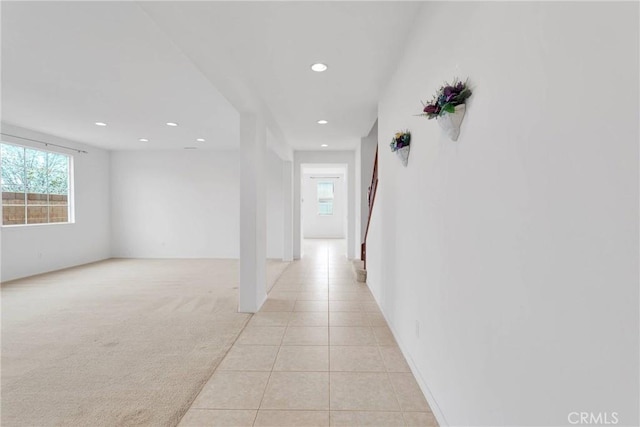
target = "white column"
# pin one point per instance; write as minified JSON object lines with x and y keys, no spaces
{"x":287,"y":195}
{"x":297,"y":202}
{"x":253,"y":222}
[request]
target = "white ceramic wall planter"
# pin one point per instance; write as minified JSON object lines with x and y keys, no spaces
{"x":450,"y":122}
{"x":403,"y":154}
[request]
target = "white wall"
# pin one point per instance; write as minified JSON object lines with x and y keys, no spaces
{"x":507,"y":263}
{"x":175,"y":204}
{"x":275,"y":205}
{"x":359,"y":237}
{"x":316,"y":226}
{"x":34,"y":249}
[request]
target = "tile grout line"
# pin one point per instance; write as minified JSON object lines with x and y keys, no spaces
{"x":328,"y":339}
{"x":274,"y":360}
{"x":215,"y":369}
{"x":309,"y":410}
{"x":369,"y":325}
{"x":279,"y":350}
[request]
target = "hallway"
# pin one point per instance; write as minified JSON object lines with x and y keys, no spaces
{"x":318,"y":353}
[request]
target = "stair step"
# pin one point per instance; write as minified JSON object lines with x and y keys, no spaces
{"x":361,"y":273}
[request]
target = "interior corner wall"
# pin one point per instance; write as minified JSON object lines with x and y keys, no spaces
{"x":506,"y":263}
{"x":34,"y":249}
{"x":175,"y":204}
{"x":275,"y":205}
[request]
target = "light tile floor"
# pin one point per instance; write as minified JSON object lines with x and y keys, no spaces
{"x":319,"y":353}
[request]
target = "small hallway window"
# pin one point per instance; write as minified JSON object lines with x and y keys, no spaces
{"x":325,"y":198}
{"x":35,"y":186}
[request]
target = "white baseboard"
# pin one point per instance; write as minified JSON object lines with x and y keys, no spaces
{"x":431,"y":400}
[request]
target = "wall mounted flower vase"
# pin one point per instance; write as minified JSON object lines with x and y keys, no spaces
{"x":448,"y":107}
{"x":403,"y":155}
{"x":400,"y":146}
{"x":450,"y":122}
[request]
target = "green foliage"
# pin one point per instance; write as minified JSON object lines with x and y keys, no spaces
{"x":400,"y":140}
{"x":33,"y":171}
{"x":446,"y":99}
{"x":448,"y":108}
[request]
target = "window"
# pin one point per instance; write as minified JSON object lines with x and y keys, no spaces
{"x":35,"y":186}
{"x":325,"y":198}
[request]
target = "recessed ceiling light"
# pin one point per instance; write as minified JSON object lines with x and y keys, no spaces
{"x":322,"y":122}
{"x":100,"y":124}
{"x":172,"y":124}
{"x":200,"y":139}
{"x":143,"y":140}
{"x":324,"y":145}
{"x":319,"y":67}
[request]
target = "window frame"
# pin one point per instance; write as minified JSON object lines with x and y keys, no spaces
{"x":321,"y":200}
{"x":70,"y":189}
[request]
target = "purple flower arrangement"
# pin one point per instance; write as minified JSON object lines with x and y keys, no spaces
{"x":446,"y":99}
{"x":400,"y":140}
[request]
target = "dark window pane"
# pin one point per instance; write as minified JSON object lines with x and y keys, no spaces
{"x":37,"y":214}
{"x":58,"y":213}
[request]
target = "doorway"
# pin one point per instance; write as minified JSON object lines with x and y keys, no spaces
{"x":324,"y":209}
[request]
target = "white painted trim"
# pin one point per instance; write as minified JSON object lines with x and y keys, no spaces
{"x":422,"y":383}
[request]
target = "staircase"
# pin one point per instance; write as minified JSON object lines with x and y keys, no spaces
{"x":360,"y":266}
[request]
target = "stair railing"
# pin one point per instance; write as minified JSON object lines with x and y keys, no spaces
{"x":371,"y":199}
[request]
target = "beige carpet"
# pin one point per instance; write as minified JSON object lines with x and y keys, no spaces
{"x":119,"y":342}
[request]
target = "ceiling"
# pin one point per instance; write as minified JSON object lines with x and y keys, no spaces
{"x":66,"y":66}
{"x":136,"y":66}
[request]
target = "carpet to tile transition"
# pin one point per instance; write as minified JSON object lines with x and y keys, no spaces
{"x":120,"y":342}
